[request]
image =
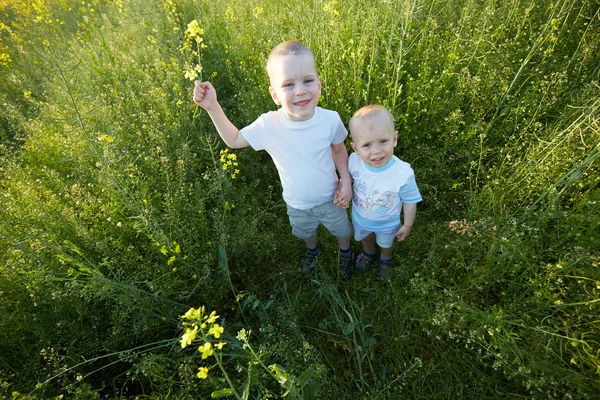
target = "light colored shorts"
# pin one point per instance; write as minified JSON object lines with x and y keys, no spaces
{"x":384,"y":239}
{"x":305,"y":222}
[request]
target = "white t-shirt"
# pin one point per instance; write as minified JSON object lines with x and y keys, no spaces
{"x":301,"y":151}
{"x":378,"y":193}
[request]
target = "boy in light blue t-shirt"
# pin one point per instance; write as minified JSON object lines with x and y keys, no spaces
{"x":383,"y":187}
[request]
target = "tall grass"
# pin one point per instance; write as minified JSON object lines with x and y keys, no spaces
{"x":119,"y":210}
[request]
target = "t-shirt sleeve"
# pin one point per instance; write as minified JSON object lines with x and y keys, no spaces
{"x":352,"y":164}
{"x":340,"y":131}
{"x":409,"y":192}
{"x":254,"y":133}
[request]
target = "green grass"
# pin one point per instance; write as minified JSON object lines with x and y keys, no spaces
{"x":116,"y":215}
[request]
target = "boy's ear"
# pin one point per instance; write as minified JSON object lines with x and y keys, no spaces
{"x":274,"y":95}
{"x":395,"y":138}
{"x":353,"y":147}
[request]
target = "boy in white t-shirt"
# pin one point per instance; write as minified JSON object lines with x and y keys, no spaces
{"x":306,"y":144}
{"x":383,"y":187}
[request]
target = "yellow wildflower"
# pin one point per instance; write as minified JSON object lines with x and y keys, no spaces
{"x":189,"y":336}
{"x":193,"y":29}
{"x":229,"y":13}
{"x":206,"y":350}
{"x":106,"y":138}
{"x":190,"y":74}
{"x":216,"y":331}
{"x":202,"y":372}
{"x":257,"y":12}
{"x":194,"y":313}
{"x":220,"y":345}
{"x":212,"y":317}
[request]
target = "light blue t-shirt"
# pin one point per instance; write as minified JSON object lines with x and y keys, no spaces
{"x":378,"y":193}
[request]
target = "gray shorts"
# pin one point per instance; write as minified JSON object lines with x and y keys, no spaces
{"x":305,"y":222}
{"x":384,"y":239}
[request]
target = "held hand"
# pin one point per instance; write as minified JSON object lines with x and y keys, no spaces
{"x":345,"y":189}
{"x":339,"y":200}
{"x":204,"y":95}
{"x":403,"y":233}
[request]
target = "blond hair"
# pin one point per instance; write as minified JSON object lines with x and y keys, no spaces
{"x":289,"y":48}
{"x":368,"y":114}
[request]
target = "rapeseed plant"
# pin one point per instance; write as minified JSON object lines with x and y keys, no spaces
{"x":229,"y":163}
{"x":196,"y":322}
{"x":193,"y":34}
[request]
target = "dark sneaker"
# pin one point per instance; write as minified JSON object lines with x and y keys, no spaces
{"x":384,"y":268}
{"x":309,"y":260}
{"x":364,"y":260}
{"x":346,"y":265}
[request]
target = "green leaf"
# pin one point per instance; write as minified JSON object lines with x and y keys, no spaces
{"x":268,"y":304}
{"x":305,"y":377}
{"x":370,"y":341}
{"x":348,"y":329}
{"x":222,"y":393}
{"x":222,"y":257}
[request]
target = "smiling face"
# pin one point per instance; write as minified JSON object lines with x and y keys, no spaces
{"x":373,"y":136}
{"x":295,"y":85}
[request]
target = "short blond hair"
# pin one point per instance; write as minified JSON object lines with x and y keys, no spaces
{"x":367,"y":114}
{"x":290,"y":48}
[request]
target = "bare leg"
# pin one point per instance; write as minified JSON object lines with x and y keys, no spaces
{"x":311,"y":242}
{"x":344,"y":243}
{"x":386,"y":252}
{"x":368,"y":243}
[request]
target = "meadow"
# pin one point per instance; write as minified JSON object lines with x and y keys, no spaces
{"x":140,"y":258}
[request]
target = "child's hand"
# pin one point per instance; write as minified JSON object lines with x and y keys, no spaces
{"x":339,"y":200}
{"x":204,"y":95}
{"x":343,"y":194}
{"x":345,"y":190}
{"x":403,"y":233}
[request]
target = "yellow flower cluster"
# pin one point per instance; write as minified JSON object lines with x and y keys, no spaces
{"x":330,"y":8}
{"x":257,"y":12}
{"x":193,"y":72}
{"x":194,"y":33}
{"x":106,"y":139}
{"x":229,"y":162}
{"x":175,"y":249}
{"x":4,"y":50}
{"x":196,"y":322}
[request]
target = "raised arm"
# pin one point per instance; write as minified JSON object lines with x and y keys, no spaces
{"x":205,"y":96}
{"x":340,"y":158}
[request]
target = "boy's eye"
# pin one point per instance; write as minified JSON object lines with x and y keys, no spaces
{"x":309,"y":80}
{"x":287,"y":84}
{"x":366,"y":145}
{"x":384,"y":141}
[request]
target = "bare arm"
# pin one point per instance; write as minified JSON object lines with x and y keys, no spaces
{"x":340,"y":158}
{"x":206,"y":97}
{"x":410,"y":212}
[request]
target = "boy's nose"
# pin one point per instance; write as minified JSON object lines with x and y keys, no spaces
{"x":300,"y":90}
